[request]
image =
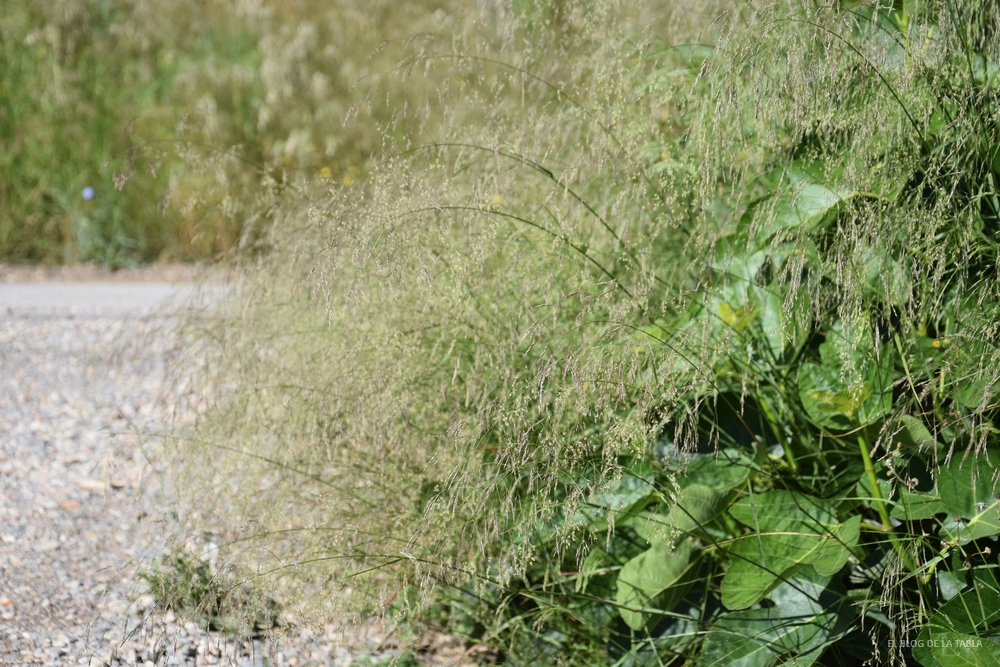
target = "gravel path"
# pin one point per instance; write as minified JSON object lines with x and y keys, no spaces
{"x":82,"y":369}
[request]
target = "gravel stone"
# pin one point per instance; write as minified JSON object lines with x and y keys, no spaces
{"x":81,"y":390}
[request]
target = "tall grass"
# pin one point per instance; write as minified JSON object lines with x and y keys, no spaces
{"x":668,"y":337}
{"x":182,"y":117}
{"x":393,"y":347}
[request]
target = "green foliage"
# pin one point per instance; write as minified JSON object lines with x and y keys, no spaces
{"x":658,"y":356}
{"x":802,"y":621}
{"x":63,"y":116}
{"x":655,"y":579}
{"x":185,"y":118}
{"x":183,"y":582}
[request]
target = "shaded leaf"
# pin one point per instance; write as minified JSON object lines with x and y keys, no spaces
{"x":954,"y":649}
{"x":914,"y":435}
{"x":650,"y":526}
{"x":724,"y":471}
{"x":593,"y":564}
{"x":847,"y":388}
{"x":957,"y":633}
{"x":695,"y":507}
{"x":912,"y":506}
{"x":833,"y":553}
{"x":799,"y":626}
{"x":655,"y":580}
{"x":629,"y":495}
{"x":974,"y":611}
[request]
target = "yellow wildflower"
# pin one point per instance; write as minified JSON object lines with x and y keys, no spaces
{"x":350,"y":176}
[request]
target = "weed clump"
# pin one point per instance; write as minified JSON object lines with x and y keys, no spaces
{"x":184,"y":582}
{"x":671,"y":342}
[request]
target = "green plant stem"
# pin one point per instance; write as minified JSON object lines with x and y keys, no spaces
{"x":938,"y":410}
{"x":883,"y":511}
{"x":906,"y":367}
{"x":772,"y":418}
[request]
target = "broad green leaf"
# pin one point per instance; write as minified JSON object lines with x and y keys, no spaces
{"x":738,"y":318}
{"x":966,"y":481}
{"x":655,"y":580}
{"x":738,"y":265}
{"x":744,"y":299}
{"x":799,"y":201}
{"x":956,"y":633}
{"x":650,"y":526}
{"x":791,"y":531}
{"x":818,"y":390}
{"x":629,"y":495}
{"x":781,"y":329}
{"x":922,"y":649}
{"x":950,"y":582}
{"x":799,"y":626}
{"x":887,"y":280}
{"x":762,"y":563}
{"x":696,"y":506}
{"x":782,"y":510}
{"x":972,"y":612}
{"x":985,"y":524}
{"x":914,"y":435}
{"x":739,"y":300}
{"x":844,"y":402}
{"x":723,"y":471}
{"x":595,"y":562}
{"x":848,"y":388}
{"x":833,"y":553}
{"x":954,"y":649}
{"x":912,"y":506}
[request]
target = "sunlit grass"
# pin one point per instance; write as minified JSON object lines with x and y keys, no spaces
{"x":632,"y":306}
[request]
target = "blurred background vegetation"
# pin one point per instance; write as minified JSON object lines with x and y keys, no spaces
{"x":184,"y":118}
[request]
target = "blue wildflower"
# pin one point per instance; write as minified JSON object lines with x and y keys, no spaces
{"x":88,"y":193}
